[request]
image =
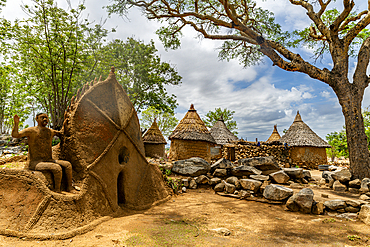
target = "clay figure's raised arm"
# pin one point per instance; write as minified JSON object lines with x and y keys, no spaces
{"x":15,"y":132}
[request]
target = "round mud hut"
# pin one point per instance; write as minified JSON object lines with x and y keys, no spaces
{"x":275,"y":136}
{"x":307,"y":148}
{"x":191,"y":138}
{"x":222,"y":136}
{"x":154,"y":142}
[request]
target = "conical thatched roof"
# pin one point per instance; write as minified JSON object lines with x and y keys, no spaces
{"x":221,"y":133}
{"x":275,"y":136}
{"x":154,"y":135}
{"x":191,"y":127}
{"x":299,"y":134}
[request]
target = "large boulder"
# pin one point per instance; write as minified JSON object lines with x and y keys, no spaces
{"x":294,"y":173}
{"x":229,"y":188}
{"x":335,"y":204}
{"x":277,"y":192}
{"x":191,"y":167}
{"x":220,"y":173}
{"x":279,"y":177}
{"x":364,"y":214}
{"x":234,"y":181}
{"x":250,"y":184}
{"x":222,"y":164}
{"x":261,"y":163}
{"x":355,"y":183}
{"x":302,"y":201}
{"x":243,"y":170}
{"x":342,"y":176}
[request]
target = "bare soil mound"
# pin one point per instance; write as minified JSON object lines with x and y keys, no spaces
{"x":188,"y":220}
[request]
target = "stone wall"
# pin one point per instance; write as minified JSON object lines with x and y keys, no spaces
{"x":185,"y":149}
{"x":250,"y":150}
{"x":154,"y":150}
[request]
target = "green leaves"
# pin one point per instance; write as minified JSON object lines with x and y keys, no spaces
{"x":213,"y":116}
{"x":140,"y":71}
{"x":166,"y":121}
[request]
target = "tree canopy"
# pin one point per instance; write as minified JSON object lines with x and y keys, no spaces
{"x":227,"y":115}
{"x":250,"y":32}
{"x":166,"y":121}
{"x":140,"y":71}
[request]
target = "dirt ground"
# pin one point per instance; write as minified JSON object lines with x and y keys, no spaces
{"x":188,"y":220}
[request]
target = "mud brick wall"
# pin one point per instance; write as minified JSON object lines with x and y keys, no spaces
{"x":185,"y":149}
{"x":154,"y":150}
{"x":250,"y":150}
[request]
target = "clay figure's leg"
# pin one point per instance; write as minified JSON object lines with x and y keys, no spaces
{"x":68,"y":169}
{"x":55,"y":169}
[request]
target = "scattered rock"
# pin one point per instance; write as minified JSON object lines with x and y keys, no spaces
{"x":354,"y":190}
{"x":351,"y":209}
{"x":234,"y":181}
{"x":191,"y":167}
{"x":261,"y":163}
{"x":353,"y":203}
{"x":295,"y":186}
{"x":277,"y":192}
{"x":219,"y":187}
{"x":222,"y":231}
{"x":338,"y":186}
{"x":355,"y":183}
{"x":229,"y":188}
{"x":364,"y":197}
{"x":347,"y":216}
{"x":302,"y":201}
{"x":318,"y":208}
{"x":322,"y":181}
{"x":364,"y":214}
{"x":342,"y":176}
{"x":183,"y":189}
{"x":243,"y":170}
{"x":250,"y":184}
{"x":202,"y":179}
{"x":244,"y":194}
{"x":335,"y":204}
{"x":192,"y":184}
{"x":279,"y":177}
{"x":214,"y":181}
{"x":222,"y":164}
{"x":324,"y":195}
{"x":306,"y":174}
{"x":260,"y":177}
{"x":365,"y":185}
{"x":220,"y":173}
{"x":185,"y":182}
{"x":293,"y":172}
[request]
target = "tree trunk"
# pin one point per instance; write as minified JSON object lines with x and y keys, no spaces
{"x":350,"y":98}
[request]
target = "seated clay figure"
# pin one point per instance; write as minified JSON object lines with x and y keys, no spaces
{"x":40,"y":152}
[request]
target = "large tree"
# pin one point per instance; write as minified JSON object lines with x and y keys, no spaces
{"x":50,"y":50}
{"x":250,"y":32}
{"x":166,"y":121}
{"x":140,"y":71}
{"x":227,"y":115}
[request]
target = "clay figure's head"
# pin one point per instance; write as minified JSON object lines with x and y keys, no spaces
{"x":42,"y":119}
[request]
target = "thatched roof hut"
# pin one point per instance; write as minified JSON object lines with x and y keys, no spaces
{"x":154,"y":134}
{"x":154,"y":142}
{"x":300,"y":135}
{"x":192,"y":127}
{"x":221,"y":133}
{"x":307,"y":148}
{"x":275,"y":136}
{"x":191,"y":138}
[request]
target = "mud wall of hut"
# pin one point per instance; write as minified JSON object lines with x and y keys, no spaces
{"x":154,"y":150}
{"x":236,"y":152}
{"x":310,"y":157}
{"x":185,"y":149}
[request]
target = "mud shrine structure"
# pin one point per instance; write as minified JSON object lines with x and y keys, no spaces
{"x":102,"y":140}
{"x":306,"y":147}
{"x":191,"y":138}
{"x":154,"y":142}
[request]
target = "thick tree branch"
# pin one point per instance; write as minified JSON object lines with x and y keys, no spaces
{"x":351,"y":19}
{"x":357,"y":29}
{"x":348,"y":6}
{"x":360,"y":78}
{"x":323,"y":7}
{"x":313,"y":16}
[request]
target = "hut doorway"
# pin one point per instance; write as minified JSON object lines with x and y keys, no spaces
{"x":120,"y":189}
{"x":231,"y":153}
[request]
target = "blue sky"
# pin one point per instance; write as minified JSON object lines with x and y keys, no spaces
{"x":261,"y":96}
